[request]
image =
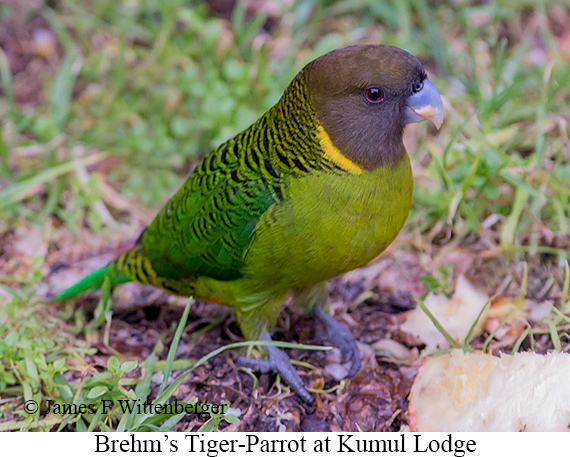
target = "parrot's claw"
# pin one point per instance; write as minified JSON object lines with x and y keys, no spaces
{"x":341,"y":337}
{"x":278,"y":363}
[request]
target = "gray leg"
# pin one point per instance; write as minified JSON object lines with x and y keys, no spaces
{"x":341,"y":337}
{"x":279,"y":363}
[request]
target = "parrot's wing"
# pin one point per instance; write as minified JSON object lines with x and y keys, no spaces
{"x":206,"y":227}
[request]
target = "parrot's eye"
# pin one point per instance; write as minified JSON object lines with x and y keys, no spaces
{"x":374,"y":94}
{"x":418,"y":85}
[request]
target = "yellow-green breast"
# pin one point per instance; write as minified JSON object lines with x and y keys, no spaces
{"x":330,"y":224}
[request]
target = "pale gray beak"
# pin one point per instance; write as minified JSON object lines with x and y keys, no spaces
{"x":425,"y":104}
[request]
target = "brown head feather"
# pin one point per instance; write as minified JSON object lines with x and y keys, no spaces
{"x":369,"y":134}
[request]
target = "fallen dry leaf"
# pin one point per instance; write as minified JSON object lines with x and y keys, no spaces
{"x":456,"y":314}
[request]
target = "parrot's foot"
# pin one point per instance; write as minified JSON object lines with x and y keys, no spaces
{"x":341,"y":337}
{"x":279,"y":363}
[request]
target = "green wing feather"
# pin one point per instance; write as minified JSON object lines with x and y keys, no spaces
{"x":206,"y":227}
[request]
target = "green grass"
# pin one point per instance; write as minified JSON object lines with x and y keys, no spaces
{"x":143,"y":89}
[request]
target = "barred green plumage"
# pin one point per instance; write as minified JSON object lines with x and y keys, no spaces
{"x":319,"y":185}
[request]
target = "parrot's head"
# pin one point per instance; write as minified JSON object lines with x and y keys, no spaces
{"x":364,"y":95}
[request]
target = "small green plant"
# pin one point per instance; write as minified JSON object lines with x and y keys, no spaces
{"x":441,"y":282}
{"x":218,"y":417}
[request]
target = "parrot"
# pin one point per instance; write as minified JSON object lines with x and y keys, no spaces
{"x":318,"y":186}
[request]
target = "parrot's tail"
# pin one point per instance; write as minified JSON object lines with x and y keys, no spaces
{"x":93,"y":281}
